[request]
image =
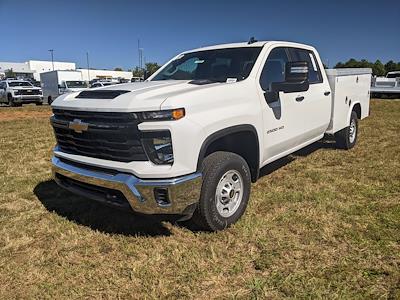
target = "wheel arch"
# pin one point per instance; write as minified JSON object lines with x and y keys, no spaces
{"x":357,"y":108}
{"x":227,"y":140}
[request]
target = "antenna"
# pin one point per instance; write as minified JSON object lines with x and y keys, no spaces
{"x":252,"y":40}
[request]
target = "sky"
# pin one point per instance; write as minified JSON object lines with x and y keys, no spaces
{"x":109,"y":30}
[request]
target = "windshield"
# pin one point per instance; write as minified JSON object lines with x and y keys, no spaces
{"x":393,"y":75}
{"x":19,"y":83}
{"x":220,"y":65}
{"x":76,"y":84}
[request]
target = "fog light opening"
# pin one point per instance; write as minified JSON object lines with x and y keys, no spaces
{"x":161,"y":196}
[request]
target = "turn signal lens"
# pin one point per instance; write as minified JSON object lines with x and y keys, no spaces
{"x":178,"y":113}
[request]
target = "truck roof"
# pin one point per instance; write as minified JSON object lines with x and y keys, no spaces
{"x":245,"y":44}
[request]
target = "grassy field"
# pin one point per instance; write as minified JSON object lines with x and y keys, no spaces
{"x":322,"y":223}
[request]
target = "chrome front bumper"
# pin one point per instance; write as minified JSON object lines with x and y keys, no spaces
{"x":140,"y":193}
{"x":21,"y":98}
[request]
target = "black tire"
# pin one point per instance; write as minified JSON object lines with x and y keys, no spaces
{"x":344,"y":138}
{"x":214,"y":167}
{"x":11,"y":101}
{"x":49,"y":100}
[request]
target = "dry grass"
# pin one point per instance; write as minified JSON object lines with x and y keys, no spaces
{"x":322,"y":223}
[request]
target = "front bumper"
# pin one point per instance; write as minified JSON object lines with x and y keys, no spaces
{"x":26,"y":98}
{"x":141,"y":194}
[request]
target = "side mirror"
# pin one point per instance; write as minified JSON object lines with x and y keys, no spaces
{"x":296,"y":78}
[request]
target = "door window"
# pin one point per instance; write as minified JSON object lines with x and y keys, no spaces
{"x":314,"y":73}
{"x":274,"y":68}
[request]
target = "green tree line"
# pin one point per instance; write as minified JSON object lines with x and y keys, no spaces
{"x":150,"y":68}
{"x":378,"y":68}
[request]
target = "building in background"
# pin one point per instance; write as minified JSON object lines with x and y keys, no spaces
{"x":32,"y":69}
{"x":40,"y":66}
{"x":19,"y":69}
{"x":104,"y":74}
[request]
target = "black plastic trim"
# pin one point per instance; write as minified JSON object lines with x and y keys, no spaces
{"x":224,"y":132}
{"x":101,"y":94}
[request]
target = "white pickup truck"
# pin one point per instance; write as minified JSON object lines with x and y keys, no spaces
{"x":17,"y":92}
{"x":190,"y":140}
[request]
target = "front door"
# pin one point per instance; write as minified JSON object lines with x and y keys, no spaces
{"x":290,"y":119}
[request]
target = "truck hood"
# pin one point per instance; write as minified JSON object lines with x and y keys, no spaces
{"x":25,"y":88}
{"x":137,"y":96}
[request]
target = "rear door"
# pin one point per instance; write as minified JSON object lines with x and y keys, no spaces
{"x":313,"y":106}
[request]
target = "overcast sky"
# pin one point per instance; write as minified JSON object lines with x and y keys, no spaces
{"x":109,"y":30}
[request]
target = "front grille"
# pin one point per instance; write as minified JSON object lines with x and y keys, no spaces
{"x":385,"y":83}
{"x":109,"y":135}
{"x":30,"y":92}
{"x":88,"y":167}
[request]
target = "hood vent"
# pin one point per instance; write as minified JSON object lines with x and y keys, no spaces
{"x":102,"y":94}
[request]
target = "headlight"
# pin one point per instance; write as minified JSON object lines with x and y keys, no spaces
{"x":158,"y":147}
{"x":16,"y":92}
{"x":164,"y":115}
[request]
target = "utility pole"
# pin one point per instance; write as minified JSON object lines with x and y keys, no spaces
{"x":52,"y":57}
{"x":140,"y":57}
{"x":139,"y":60}
{"x":87,"y":61}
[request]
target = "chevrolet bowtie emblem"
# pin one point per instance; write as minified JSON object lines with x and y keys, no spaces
{"x":78,"y":126}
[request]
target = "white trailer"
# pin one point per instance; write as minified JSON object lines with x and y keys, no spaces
{"x":56,"y":83}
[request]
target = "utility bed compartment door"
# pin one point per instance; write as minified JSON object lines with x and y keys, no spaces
{"x":349,"y":86}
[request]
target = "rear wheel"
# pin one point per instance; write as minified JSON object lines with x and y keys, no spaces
{"x":49,"y":100}
{"x":347,"y":137}
{"x":225,"y":191}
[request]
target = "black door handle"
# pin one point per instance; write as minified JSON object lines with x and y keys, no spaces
{"x":327,"y":93}
{"x":300,"y":98}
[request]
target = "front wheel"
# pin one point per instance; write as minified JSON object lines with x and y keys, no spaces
{"x":347,"y":137}
{"x":225,"y":191}
{"x":11,"y":101}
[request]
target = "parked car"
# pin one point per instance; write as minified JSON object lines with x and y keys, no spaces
{"x":34,"y":82}
{"x":56,"y":83}
{"x":389,"y":85}
{"x":191,"y":139}
{"x":18,"y":92}
{"x":102,"y":83}
{"x":136,"y":79}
